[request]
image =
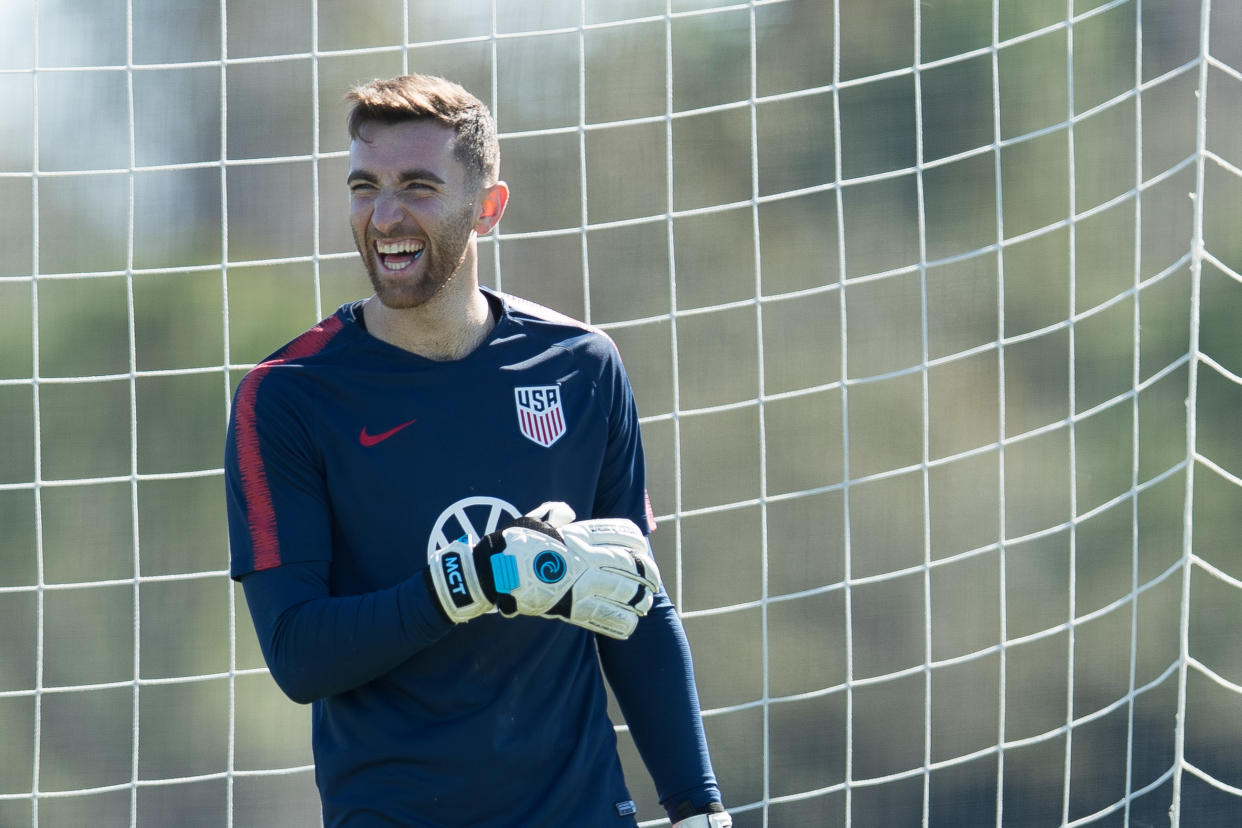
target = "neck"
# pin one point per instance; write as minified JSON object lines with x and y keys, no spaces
{"x":450,"y":326}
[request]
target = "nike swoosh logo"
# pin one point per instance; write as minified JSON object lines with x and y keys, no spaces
{"x":369,"y":440}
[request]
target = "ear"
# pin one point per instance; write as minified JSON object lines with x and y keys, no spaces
{"x":492,"y":203}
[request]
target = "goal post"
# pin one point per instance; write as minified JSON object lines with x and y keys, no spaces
{"x":930,"y":312}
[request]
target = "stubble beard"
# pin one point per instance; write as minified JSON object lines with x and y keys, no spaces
{"x":443,"y":256}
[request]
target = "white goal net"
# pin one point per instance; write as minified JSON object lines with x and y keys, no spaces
{"x":932,"y":314}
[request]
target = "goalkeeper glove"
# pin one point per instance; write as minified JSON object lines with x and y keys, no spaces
{"x":717,"y":819}
{"x":595,"y":574}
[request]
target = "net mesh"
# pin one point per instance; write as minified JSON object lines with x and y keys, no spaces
{"x":930,"y":312}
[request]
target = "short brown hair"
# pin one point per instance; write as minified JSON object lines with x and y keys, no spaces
{"x":419,"y":97}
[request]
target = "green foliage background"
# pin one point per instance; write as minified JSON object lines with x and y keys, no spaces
{"x":790,"y":270}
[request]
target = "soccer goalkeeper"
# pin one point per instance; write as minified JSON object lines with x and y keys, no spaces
{"x":437,"y":511}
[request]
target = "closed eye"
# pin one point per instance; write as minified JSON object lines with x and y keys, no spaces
{"x":360,"y":183}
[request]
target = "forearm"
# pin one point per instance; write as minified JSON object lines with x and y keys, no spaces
{"x":317,"y":644}
{"x":652,"y":677}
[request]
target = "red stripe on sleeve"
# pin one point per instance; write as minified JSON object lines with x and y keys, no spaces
{"x":260,"y":510}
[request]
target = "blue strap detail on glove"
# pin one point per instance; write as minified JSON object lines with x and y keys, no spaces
{"x":505,"y":573}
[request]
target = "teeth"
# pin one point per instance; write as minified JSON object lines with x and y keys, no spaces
{"x":396,"y":246}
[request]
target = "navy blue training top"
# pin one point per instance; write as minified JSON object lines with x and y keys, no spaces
{"x":348,"y":461}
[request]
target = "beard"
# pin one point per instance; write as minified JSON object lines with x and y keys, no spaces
{"x":443,"y":254}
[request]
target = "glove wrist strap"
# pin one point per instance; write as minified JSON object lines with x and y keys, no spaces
{"x":457,"y":583}
{"x":719,"y":819}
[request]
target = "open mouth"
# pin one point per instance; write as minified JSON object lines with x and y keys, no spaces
{"x":398,"y":254}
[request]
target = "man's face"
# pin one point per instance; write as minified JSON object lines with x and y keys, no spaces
{"x":412,"y":210}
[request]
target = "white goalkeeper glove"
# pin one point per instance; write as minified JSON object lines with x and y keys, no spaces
{"x":595,"y":574}
{"x":720,"y":819}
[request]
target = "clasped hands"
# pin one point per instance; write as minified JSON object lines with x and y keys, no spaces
{"x":596,"y":574}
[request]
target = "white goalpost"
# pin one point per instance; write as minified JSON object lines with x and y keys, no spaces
{"x":930,"y":310}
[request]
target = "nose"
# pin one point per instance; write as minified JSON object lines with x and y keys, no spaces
{"x":387,"y":213}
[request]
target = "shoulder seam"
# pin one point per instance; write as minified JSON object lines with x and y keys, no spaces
{"x":543,"y":313}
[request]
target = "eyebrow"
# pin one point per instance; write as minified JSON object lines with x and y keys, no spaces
{"x":412,"y":174}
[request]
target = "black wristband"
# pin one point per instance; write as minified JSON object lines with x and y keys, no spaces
{"x":492,"y":544}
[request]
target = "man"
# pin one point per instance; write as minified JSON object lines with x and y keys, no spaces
{"x":404,"y":482}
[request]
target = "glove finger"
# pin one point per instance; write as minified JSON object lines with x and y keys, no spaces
{"x":628,"y":550}
{"x":633,"y":555}
{"x":554,"y":512}
{"x":642,"y":600}
{"x":626,"y":581}
{"x":617,"y":586}
{"x":610,"y":532}
{"x":647,"y":569}
{"x":641,"y":568}
{"x":602,"y":616}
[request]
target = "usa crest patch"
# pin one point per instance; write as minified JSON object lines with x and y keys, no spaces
{"x":540,"y":415}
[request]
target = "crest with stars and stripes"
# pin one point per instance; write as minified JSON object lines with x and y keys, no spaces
{"x":540,"y":415}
